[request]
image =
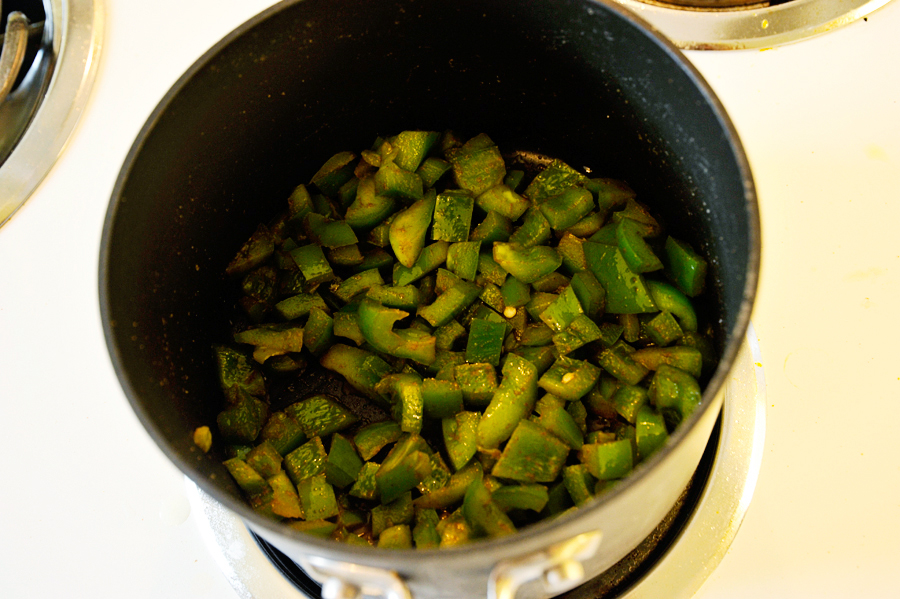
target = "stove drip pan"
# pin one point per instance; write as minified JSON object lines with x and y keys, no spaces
{"x":50,"y":91}
{"x":743,"y":24}
{"x":673,"y":561}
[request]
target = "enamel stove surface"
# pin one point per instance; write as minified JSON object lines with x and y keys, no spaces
{"x":92,"y":508}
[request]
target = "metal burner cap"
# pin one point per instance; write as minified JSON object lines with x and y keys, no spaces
{"x":743,"y":24}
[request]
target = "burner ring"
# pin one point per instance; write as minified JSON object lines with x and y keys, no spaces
{"x":744,"y":24}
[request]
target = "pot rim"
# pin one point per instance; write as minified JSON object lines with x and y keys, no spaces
{"x":537,"y":535}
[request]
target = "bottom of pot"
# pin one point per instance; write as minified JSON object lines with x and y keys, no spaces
{"x":673,"y":561}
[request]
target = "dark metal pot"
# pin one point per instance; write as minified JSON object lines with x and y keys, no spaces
{"x":580,"y":80}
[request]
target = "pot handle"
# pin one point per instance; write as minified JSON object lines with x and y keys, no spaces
{"x":342,"y":580}
{"x":558,"y":568}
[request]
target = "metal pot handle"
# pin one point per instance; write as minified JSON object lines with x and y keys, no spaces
{"x":342,"y":580}
{"x":557,"y":568}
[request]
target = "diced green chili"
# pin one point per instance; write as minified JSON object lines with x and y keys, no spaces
{"x":336,"y":171}
{"x":521,"y":497}
{"x":569,"y":379}
{"x":526,"y":264}
{"x":254,"y":252}
{"x":608,"y":461}
{"x":494,"y":227}
{"x":535,"y":229}
{"x":453,"y":215}
{"x":685,"y":267}
{"x":450,"y":303}
{"x":513,"y":401}
{"x":650,"y":431}
{"x":478,"y":383}
{"x":503,"y":200}
{"x":409,"y":228}
{"x":360,"y":368}
{"x":626,"y":290}
{"x":668,"y":298}
{"x":532,"y":455}
{"x":483,"y":515}
{"x":673,"y":388}
{"x":567,"y":207}
{"x":431,"y":257}
{"x":636,"y":252}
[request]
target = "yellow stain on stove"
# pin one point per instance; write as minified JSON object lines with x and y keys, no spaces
{"x":865,"y":275}
{"x":876,"y":152}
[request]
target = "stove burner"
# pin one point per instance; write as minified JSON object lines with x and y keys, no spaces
{"x":742,"y":24}
{"x":56,"y":49}
{"x":672,"y":562}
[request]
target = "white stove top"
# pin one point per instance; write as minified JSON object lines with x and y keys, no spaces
{"x":89,"y":507}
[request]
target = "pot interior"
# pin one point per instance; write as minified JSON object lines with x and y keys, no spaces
{"x":260,"y":112}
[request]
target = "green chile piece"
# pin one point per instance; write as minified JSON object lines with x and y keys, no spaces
{"x":272,"y":340}
{"x":618,"y":361}
{"x":460,"y":437}
{"x":283,"y":433}
{"x":628,"y":399}
{"x":683,"y":357}
{"x":478,"y":167}
{"x":608,"y":461}
{"x":447,"y":334}
{"x":535,"y":230}
{"x":685,"y":267}
{"x":373,"y":437}
{"x":579,"y":483}
{"x":483,"y":515}
{"x":662,"y":329}
{"x":365,"y":486}
{"x":455,"y":490}
{"x":542,"y":357}
{"x":441,"y":399}
{"x":376,"y":324}
{"x":532,"y":455}
{"x":567,"y":207}
{"x":318,"y":334}
{"x":532,"y":497}
{"x":306,"y":461}
{"x":485,"y":343}
{"x":562,"y":311}
{"x":554,"y":179}
{"x":312,"y":263}
{"x":329,"y":233}
{"x":579,"y":333}
{"x":650,"y":431}
{"x":462,"y":259}
{"x":235,"y":371}
{"x":397,"y":183}
{"x":554,"y":417}
{"x":320,"y":415}
{"x":404,"y":298}
{"x":670,"y":299}
{"x":246,"y":477}
{"x":360,"y":368}
{"x":431,"y":170}
{"x":317,"y":499}
{"x":453,"y":215}
{"x":425,"y":535}
{"x":431,"y":257}
{"x":454,"y":530}
{"x":571,"y":249}
{"x":396,"y":537}
{"x":412,"y":147}
{"x":450,"y":303}
{"x":513,"y":401}
{"x":626,"y":291}
{"x":671,"y":387}
{"x":569,"y":379}
{"x":346,"y":324}
{"x":526,"y":264}
{"x":265,"y":459}
{"x":254,"y":252}
{"x":489,"y":271}
{"x":285,"y":501}
{"x":608,"y":193}
{"x":515,"y":293}
{"x":406,"y":465}
{"x":242,"y":421}
{"x":478,"y":383}
{"x":370,"y":208}
{"x":336,"y":171}
{"x":504,"y":201}
{"x":356,"y":284}
{"x":637,"y":253}
{"x":409,"y":228}
{"x":392,"y":513}
{"x":300,"y":305}
{"x":343,"y":463}
{"x":494,"y":227}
